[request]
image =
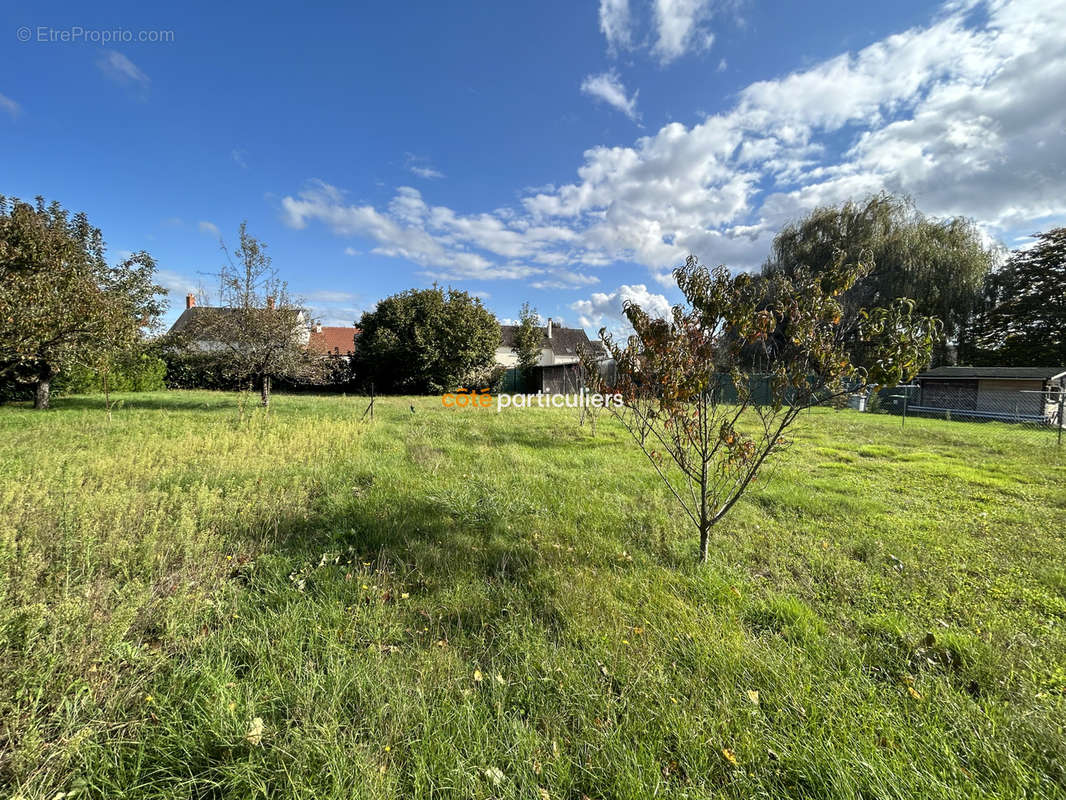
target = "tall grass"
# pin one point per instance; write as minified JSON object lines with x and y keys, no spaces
{"x":204,"y":600}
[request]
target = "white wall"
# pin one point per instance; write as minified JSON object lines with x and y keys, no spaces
{"x":506,"y":357}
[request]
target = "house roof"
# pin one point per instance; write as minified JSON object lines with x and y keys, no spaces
{"x":599,"y":348}
{"x":198,"y":318}
{"x":1002,"y":373}
{"x":332,"y":339}
{"x":203,"y":321}
{"x":563,"y":341}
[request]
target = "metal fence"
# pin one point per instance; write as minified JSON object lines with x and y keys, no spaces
{"x":552,"y":379}
{"x":1035,"y":415}
{"x":971,"y":408}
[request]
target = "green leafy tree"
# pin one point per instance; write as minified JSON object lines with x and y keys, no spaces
{"x":138,"y":369}
{"x":527,"y":338}
{"x":1022,"y":317}
{"x":259,"y":335}
{"x":61,"y":304}
{"x":691,"y":405}
{"x":940,"y":263}
{"x":428,"y":341}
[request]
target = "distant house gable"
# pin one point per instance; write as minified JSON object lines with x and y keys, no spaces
{"x":197,"y":321}
{"x":558,"y":345}
{"x":196,"y":325}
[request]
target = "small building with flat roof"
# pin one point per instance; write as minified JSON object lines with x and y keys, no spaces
{"x":1012,"y":394}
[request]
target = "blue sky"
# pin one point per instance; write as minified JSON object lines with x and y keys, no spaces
{"x":568,"y":154}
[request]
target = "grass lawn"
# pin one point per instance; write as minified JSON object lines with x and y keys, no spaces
{"x":458,"y":603}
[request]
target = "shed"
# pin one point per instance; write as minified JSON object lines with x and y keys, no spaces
{"x":1013,"y":394}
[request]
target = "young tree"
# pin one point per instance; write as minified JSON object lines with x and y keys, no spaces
{"x":940,"y":263}
{"x":427,"y":341}
{"x":260,"y":332}
{"x":687,"y":398}
{"x":527,"y":338}
{"x":61,"y":303}
{"x":1022,"y":317}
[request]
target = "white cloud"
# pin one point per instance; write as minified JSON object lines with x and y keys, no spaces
{"x":608,"y":87}
{"x":965,"y":114}
{"x":427,"y":172}
{"x":342,"y":316}
{"x":615,"y":24}
{"x":680,"y":27}
{"x":605,"y":310}
{"x":333,"y":307}
{"x":964,"y":118}
{"x":239,"y":157}
{"x":434,"y":237}
{"x":10,"y":106}
{"x":175,"y":283}
{"x":208,"y":227}
{"x":330,"y":296}
{"x":351,"y":251}
{"x":120,"y":69}
{"x":564,"y":279}
{"x":421,"y":167}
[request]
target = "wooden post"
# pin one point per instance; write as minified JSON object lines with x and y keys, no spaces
{"x":1062,"y":398}
{"x":369,"y":408}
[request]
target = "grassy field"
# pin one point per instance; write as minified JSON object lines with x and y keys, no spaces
{"x":203,"y":602}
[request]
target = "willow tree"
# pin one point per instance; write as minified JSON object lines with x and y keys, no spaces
{"x":707,"y":424}
{"x":61,"y":304}
{"x":940,"y":263}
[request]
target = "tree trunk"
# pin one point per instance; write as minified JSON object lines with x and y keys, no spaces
{"x":264,"y":391}
{"x":107,"y":397}
{"x":44,"y":388}
{"x":705,"y":522}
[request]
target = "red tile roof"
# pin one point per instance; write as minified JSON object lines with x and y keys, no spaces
{"x":333,"y":340}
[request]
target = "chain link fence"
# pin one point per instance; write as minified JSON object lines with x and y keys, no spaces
{"x":1035,"y":416}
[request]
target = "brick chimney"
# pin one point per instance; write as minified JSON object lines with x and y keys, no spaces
{"x":270,"y":303}
{"x":190,"y":300}
{"x":549,"y":327}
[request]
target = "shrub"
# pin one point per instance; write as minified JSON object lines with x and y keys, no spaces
{"x":140,"y":372}
{"x":187,"y":370}
{"x":427,"y":341}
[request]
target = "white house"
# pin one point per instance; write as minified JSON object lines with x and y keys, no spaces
{"x":558,"y":345}
{"x":558,"y":369}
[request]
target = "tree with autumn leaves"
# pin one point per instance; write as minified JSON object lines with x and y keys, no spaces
{"x":61,"y":304}
{"x":690,"y":402}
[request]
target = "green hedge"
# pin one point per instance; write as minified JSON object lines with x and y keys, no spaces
{"x":141,"y":373}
